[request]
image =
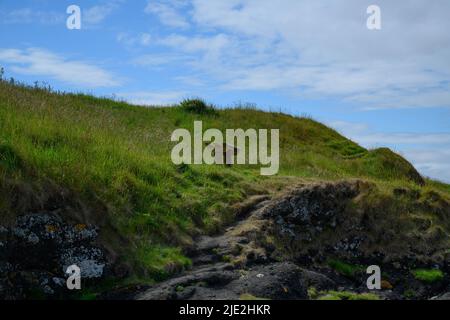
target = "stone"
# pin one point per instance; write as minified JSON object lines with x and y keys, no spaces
{"x":36,"y":251}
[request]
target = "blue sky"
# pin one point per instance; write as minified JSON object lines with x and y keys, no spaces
{"x":389,"y":87}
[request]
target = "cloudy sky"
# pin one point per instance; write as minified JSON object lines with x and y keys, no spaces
{"x":388,"y":87}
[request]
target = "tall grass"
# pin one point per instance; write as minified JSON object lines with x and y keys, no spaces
{"x":111,"y":160}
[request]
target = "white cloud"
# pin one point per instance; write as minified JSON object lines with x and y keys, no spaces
{"x":210,"y":45}
{"x":431,"y":162}
{"x":40,"y":62}
{"x":158,"y":60}
{"x":323,"y":49}
{"x":90,"y":16}
{"x":168,"y":12}
{"x":143,"y":39}
{"x":28,"y":15}
{"x":96,"y":14}
{"x":363,"y":134}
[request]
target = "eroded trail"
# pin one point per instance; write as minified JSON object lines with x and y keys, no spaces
{"x":240,"y":264}
{"x":281,"y":248}
{"x":233,"y":265}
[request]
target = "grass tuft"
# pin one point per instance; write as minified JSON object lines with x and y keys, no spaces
{"x":346,"y":269}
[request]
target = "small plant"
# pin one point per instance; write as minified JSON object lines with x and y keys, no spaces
{"x":409,"y":294}
{"x":428,"y":275}
{"x":226,"y":258}
{"x":313,"y":293}
{"x":197,"y":106}
{"x":182,"y":168}
{"x":179,"y":289}
{"x":2,"y":72}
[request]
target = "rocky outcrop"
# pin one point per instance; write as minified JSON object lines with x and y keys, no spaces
{"x":315,"y":240}
{"x":319,"y":238}
{"x":445,"y":296}
{"x":36,"y":252}
{"x":306,"y":212}
{"x":234,"y":265}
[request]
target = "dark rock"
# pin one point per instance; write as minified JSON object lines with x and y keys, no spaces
{"x":445,"y":296}
{"x":212,"y":276}
{"x":317,"y":280}
{"x":273,"y":281}
{"x":36,"y":251}
{"x":279,"y":281}
{"x":308,"y":211}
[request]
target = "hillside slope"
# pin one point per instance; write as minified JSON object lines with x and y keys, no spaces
{"x":100,"y":162}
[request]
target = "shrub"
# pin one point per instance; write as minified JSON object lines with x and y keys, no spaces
{"x":197,"y":106}
{"x":409,"y":294}
{"x":9,"y":159}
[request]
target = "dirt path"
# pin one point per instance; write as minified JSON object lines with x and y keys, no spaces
{"x":232,"y":266}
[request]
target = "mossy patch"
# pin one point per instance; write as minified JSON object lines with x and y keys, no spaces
{"x":428,"y":275}
{"x":346,"y":269}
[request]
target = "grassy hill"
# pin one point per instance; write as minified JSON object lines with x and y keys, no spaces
{"x":108,"y":163}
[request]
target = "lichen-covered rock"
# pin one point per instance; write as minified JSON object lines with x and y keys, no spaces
{"x":36,"y":252}
{"x":307,"y":212}
{"x":350,"y":246}
{"x":445,"y":296}
{"x":90,"y":260}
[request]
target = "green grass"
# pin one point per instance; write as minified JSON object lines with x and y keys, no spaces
{"x":346,"y":269}
{"x":108,"y":163}
{"x":428,"y":275}
{"x":161,"y":262}
{"x":89,"y":296}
